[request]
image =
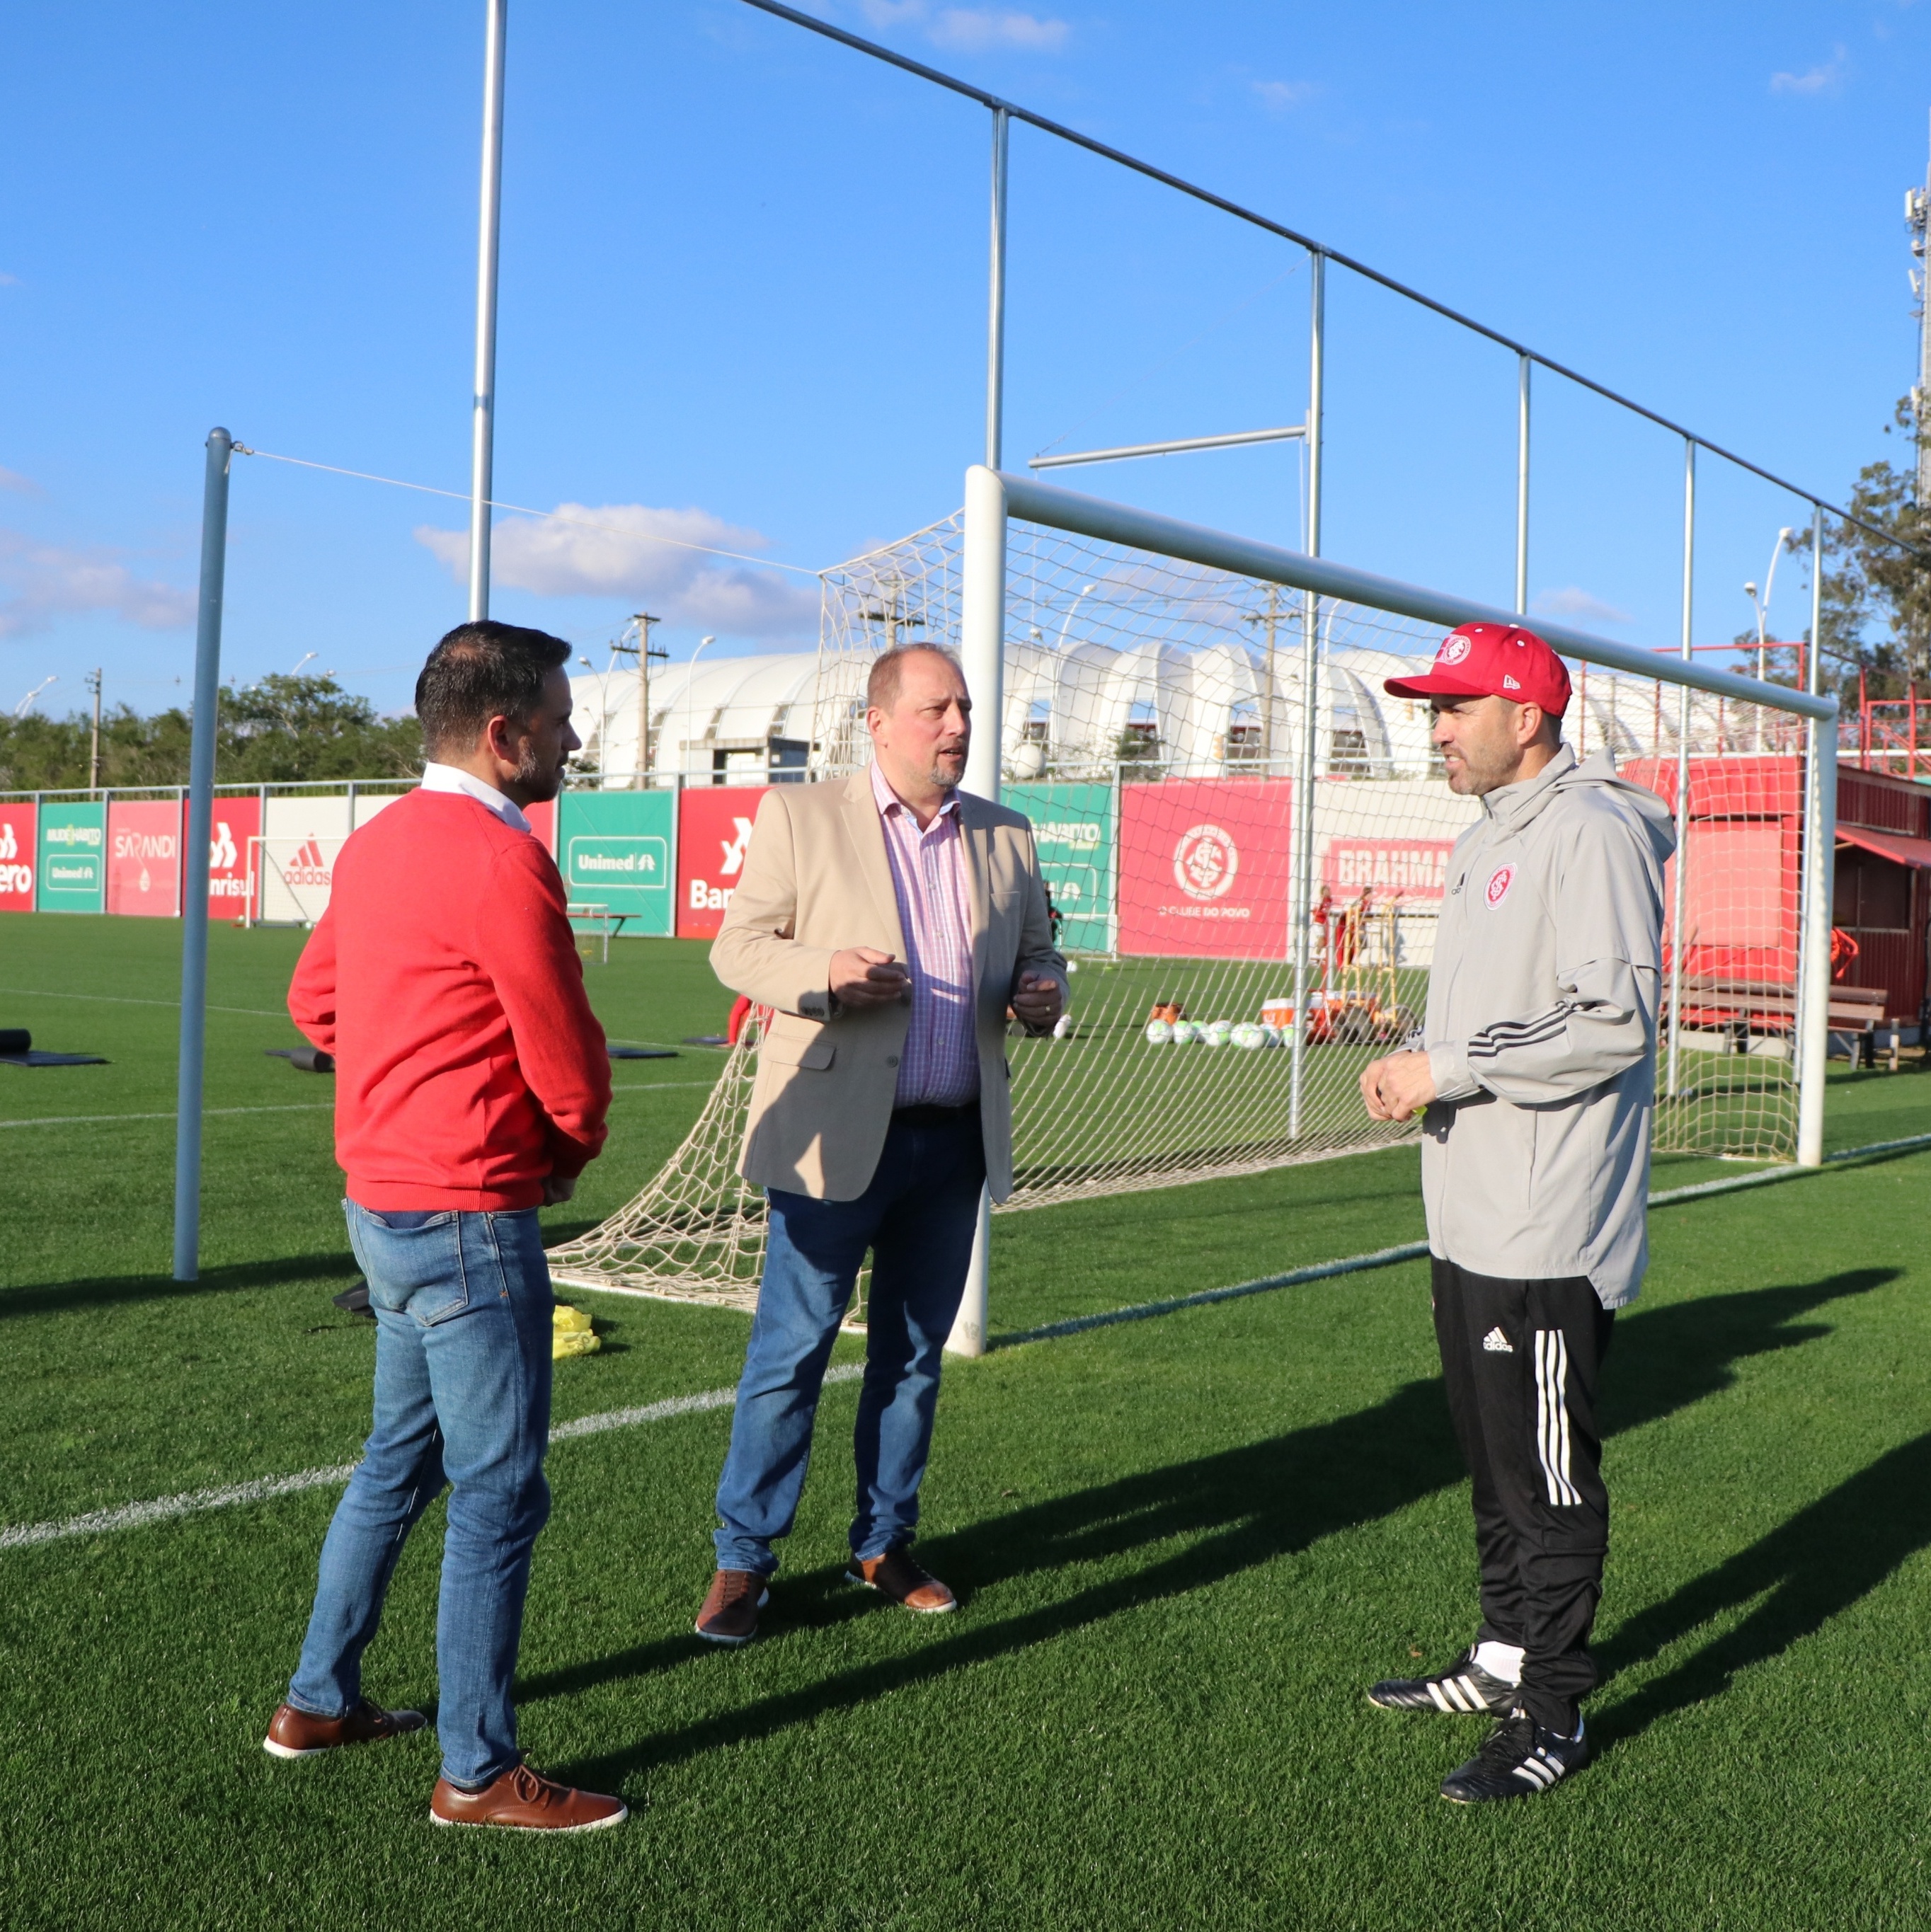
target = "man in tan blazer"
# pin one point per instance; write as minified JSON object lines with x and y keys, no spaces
{"x":891,"y":922}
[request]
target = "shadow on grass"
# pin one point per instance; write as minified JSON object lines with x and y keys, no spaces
{"x":110,"y":1291}
{"x":1231,"y":1512}
{"x":1820,"y":1561}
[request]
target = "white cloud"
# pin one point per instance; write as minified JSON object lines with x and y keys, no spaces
{"x":40,"y":582}
{"x":1282,"y":97}
{"x":970,"y":29}
{"x":18,"y":485}
{"x":1828,"y":78}
{"x":619,"y":549}
{"x":1574,"y":601}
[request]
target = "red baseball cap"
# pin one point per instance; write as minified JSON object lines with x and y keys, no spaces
{"x":1492,"y":661}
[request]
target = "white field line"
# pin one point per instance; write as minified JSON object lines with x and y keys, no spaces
{"x":128,"y":1000}
{"x":266,"y":1488}
{"x":163,"y":1509}
{"x":289,"y":1107}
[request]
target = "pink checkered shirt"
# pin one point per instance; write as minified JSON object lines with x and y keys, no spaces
{"x":940,"y":1065}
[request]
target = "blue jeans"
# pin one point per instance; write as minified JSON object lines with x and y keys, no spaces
{"x":462,"y":1396}
{"x":917,"y":1216}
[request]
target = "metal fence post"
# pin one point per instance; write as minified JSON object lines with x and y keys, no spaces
{"x":194,"y":860}
{"x":1301,"y":889}
{"x":982,"y":634}
{"x":1525,"y":364}
{"x":1820,"y":864}
{"x":1679,"y":898}
{"x":482,"y":408}
{"x":995,"y":321}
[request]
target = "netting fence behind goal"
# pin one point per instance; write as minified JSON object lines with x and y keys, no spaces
{"x":1245,"y":840}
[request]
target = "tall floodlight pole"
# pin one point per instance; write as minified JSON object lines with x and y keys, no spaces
{"x":995,"y":295}
{"x":1300,"y":895}
{"x":1917,"y":215}
{"x":1523,"y":367}
{"x":194,"y":860}
{"x":1820,"y":867}
{"x":483,"y":409}
{"x":1679,"y":897}
{"x":982,"y":634}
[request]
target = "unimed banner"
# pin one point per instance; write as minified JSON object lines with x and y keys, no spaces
{"x":17,"y":857}
{"x":73,"y":847}
{"x":614,"y":850}
{"x":144,"y":858}
{"x":1204,"y":866}
{"x":237,"y":819}
{"x":713,"y":832}
{"x":1073,"y":827}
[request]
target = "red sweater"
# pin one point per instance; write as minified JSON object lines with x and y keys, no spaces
{"x":444,"y":978}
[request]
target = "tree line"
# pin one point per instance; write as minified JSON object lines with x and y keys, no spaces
{"x":282,"y":729}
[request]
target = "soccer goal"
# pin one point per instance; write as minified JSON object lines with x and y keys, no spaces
{"x":1245,"y":840}
{"x":290,"y":880}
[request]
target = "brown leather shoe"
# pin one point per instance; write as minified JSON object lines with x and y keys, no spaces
{"x":293,"y":1733}
{"x":899,"y":1578}
{"x":731,"y":1607}
{"x":524,"y":1800}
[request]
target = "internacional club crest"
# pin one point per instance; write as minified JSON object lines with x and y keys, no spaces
{"x":1499,"y":880}
{"x":1204,"y":862}
{"x":1454,"y":649}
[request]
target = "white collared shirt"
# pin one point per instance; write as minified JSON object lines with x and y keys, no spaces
{"x":453,"y":778}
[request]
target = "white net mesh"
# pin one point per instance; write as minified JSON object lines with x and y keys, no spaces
{"x":1155,"y":721}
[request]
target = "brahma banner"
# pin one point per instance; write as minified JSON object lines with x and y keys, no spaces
{"x":713,"y":833}
{"x":1408,"y":869}
{"x":144,"y":857}
{"x":1204,"y":867}
{"x":18,"y":849}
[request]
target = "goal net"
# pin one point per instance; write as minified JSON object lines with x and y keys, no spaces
{"x":1245,"y":838}
{"x":290,"y":880}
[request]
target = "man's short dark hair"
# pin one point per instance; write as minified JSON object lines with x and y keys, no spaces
{"x":888,"y":673}
{"x":482,"y":670}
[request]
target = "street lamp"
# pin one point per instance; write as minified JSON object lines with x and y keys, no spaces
{"x":295,"y":669}
{"x":26,"y":703}
{"x":1761,"y":605}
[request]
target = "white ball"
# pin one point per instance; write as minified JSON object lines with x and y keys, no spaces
{"x":1247,"y":1036}
{"x":1158,"y":1032}
{"x":1275,"y":1037}
{"x":1185,"y":1033}
{"x":1072,"y":965}
{"x":1062,"y":1027}
{"x":1216,"y":1033}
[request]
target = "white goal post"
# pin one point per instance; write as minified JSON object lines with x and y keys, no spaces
{"x":1245,"y":840}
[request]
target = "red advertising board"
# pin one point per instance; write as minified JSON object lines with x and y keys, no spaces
{"x":237,"y":819}
{"x":144,"y":858}
{"x":1204,"y":866}
{"x":713,"y":830}
{"x":542,"y":817}
{"x":18,"y":844}
{"x":1403,"y":868}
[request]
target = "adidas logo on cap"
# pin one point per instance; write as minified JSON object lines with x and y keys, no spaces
{"x":1497,"y":1343}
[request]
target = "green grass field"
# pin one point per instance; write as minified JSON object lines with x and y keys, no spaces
{"x":1184,"y":1546}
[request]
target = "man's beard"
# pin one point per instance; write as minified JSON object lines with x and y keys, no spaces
{"x":541,"y":782}
{"x":945,"y":780}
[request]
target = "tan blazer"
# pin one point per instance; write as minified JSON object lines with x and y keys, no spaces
{"x":816,"y":880}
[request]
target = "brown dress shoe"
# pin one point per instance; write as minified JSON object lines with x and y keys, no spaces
{"x":293,"y":1733}
{"x":731,"y":1607}
{"x":899,"y":1578}
{"x":524,"y":1800}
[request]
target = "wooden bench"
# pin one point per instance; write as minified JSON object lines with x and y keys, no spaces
{"x":1752,"y":1006}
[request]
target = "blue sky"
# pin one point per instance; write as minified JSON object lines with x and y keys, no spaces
{"x":743,"y":297}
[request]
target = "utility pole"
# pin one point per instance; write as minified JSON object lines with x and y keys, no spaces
{"x":642,"y":651}
{"x":94,"y":747}
{"x":1917,"y":215}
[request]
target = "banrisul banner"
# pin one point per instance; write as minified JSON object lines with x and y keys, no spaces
{"x":713,"y":834}
{"x":73,"y":857}
{"x":614,"y":849}
{"x":1072,"y":825}
{"x":18,"y":858}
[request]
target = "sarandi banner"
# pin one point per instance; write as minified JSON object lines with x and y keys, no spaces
{"x":144,"y":857}
{"x":713,"y":833}
{"x":1204,"y":868}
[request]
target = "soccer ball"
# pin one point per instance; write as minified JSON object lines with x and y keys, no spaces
{"x":1062,"y":1027}
{"x":1158,"y":1032}
{"x":1247,"y":1036}
{"x":1216,"y":1033}
{"x":1185,"y":1033}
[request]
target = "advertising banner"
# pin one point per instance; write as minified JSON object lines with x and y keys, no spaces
{"x":144,"y":858}
{"x":73,"y":861}
{"x":1412,"y":869}
{"x":1204,"y":868}
{"x":616,"y":852}
{"x":1072,"y":826}
{"x":18,"y":857}
{"x":236,"y":831}
{"x":714,"y":825}
{"x":542,"y":817}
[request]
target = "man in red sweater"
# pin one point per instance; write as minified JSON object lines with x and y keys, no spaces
{"x":472,"y":1085}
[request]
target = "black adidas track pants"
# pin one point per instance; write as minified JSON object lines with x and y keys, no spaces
{"x":1521,"y":1360}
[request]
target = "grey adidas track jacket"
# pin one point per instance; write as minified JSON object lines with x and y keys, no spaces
{"x":1541,"y":1031}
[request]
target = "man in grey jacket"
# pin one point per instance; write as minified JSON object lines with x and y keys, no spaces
{"x":1536,"y":1068}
